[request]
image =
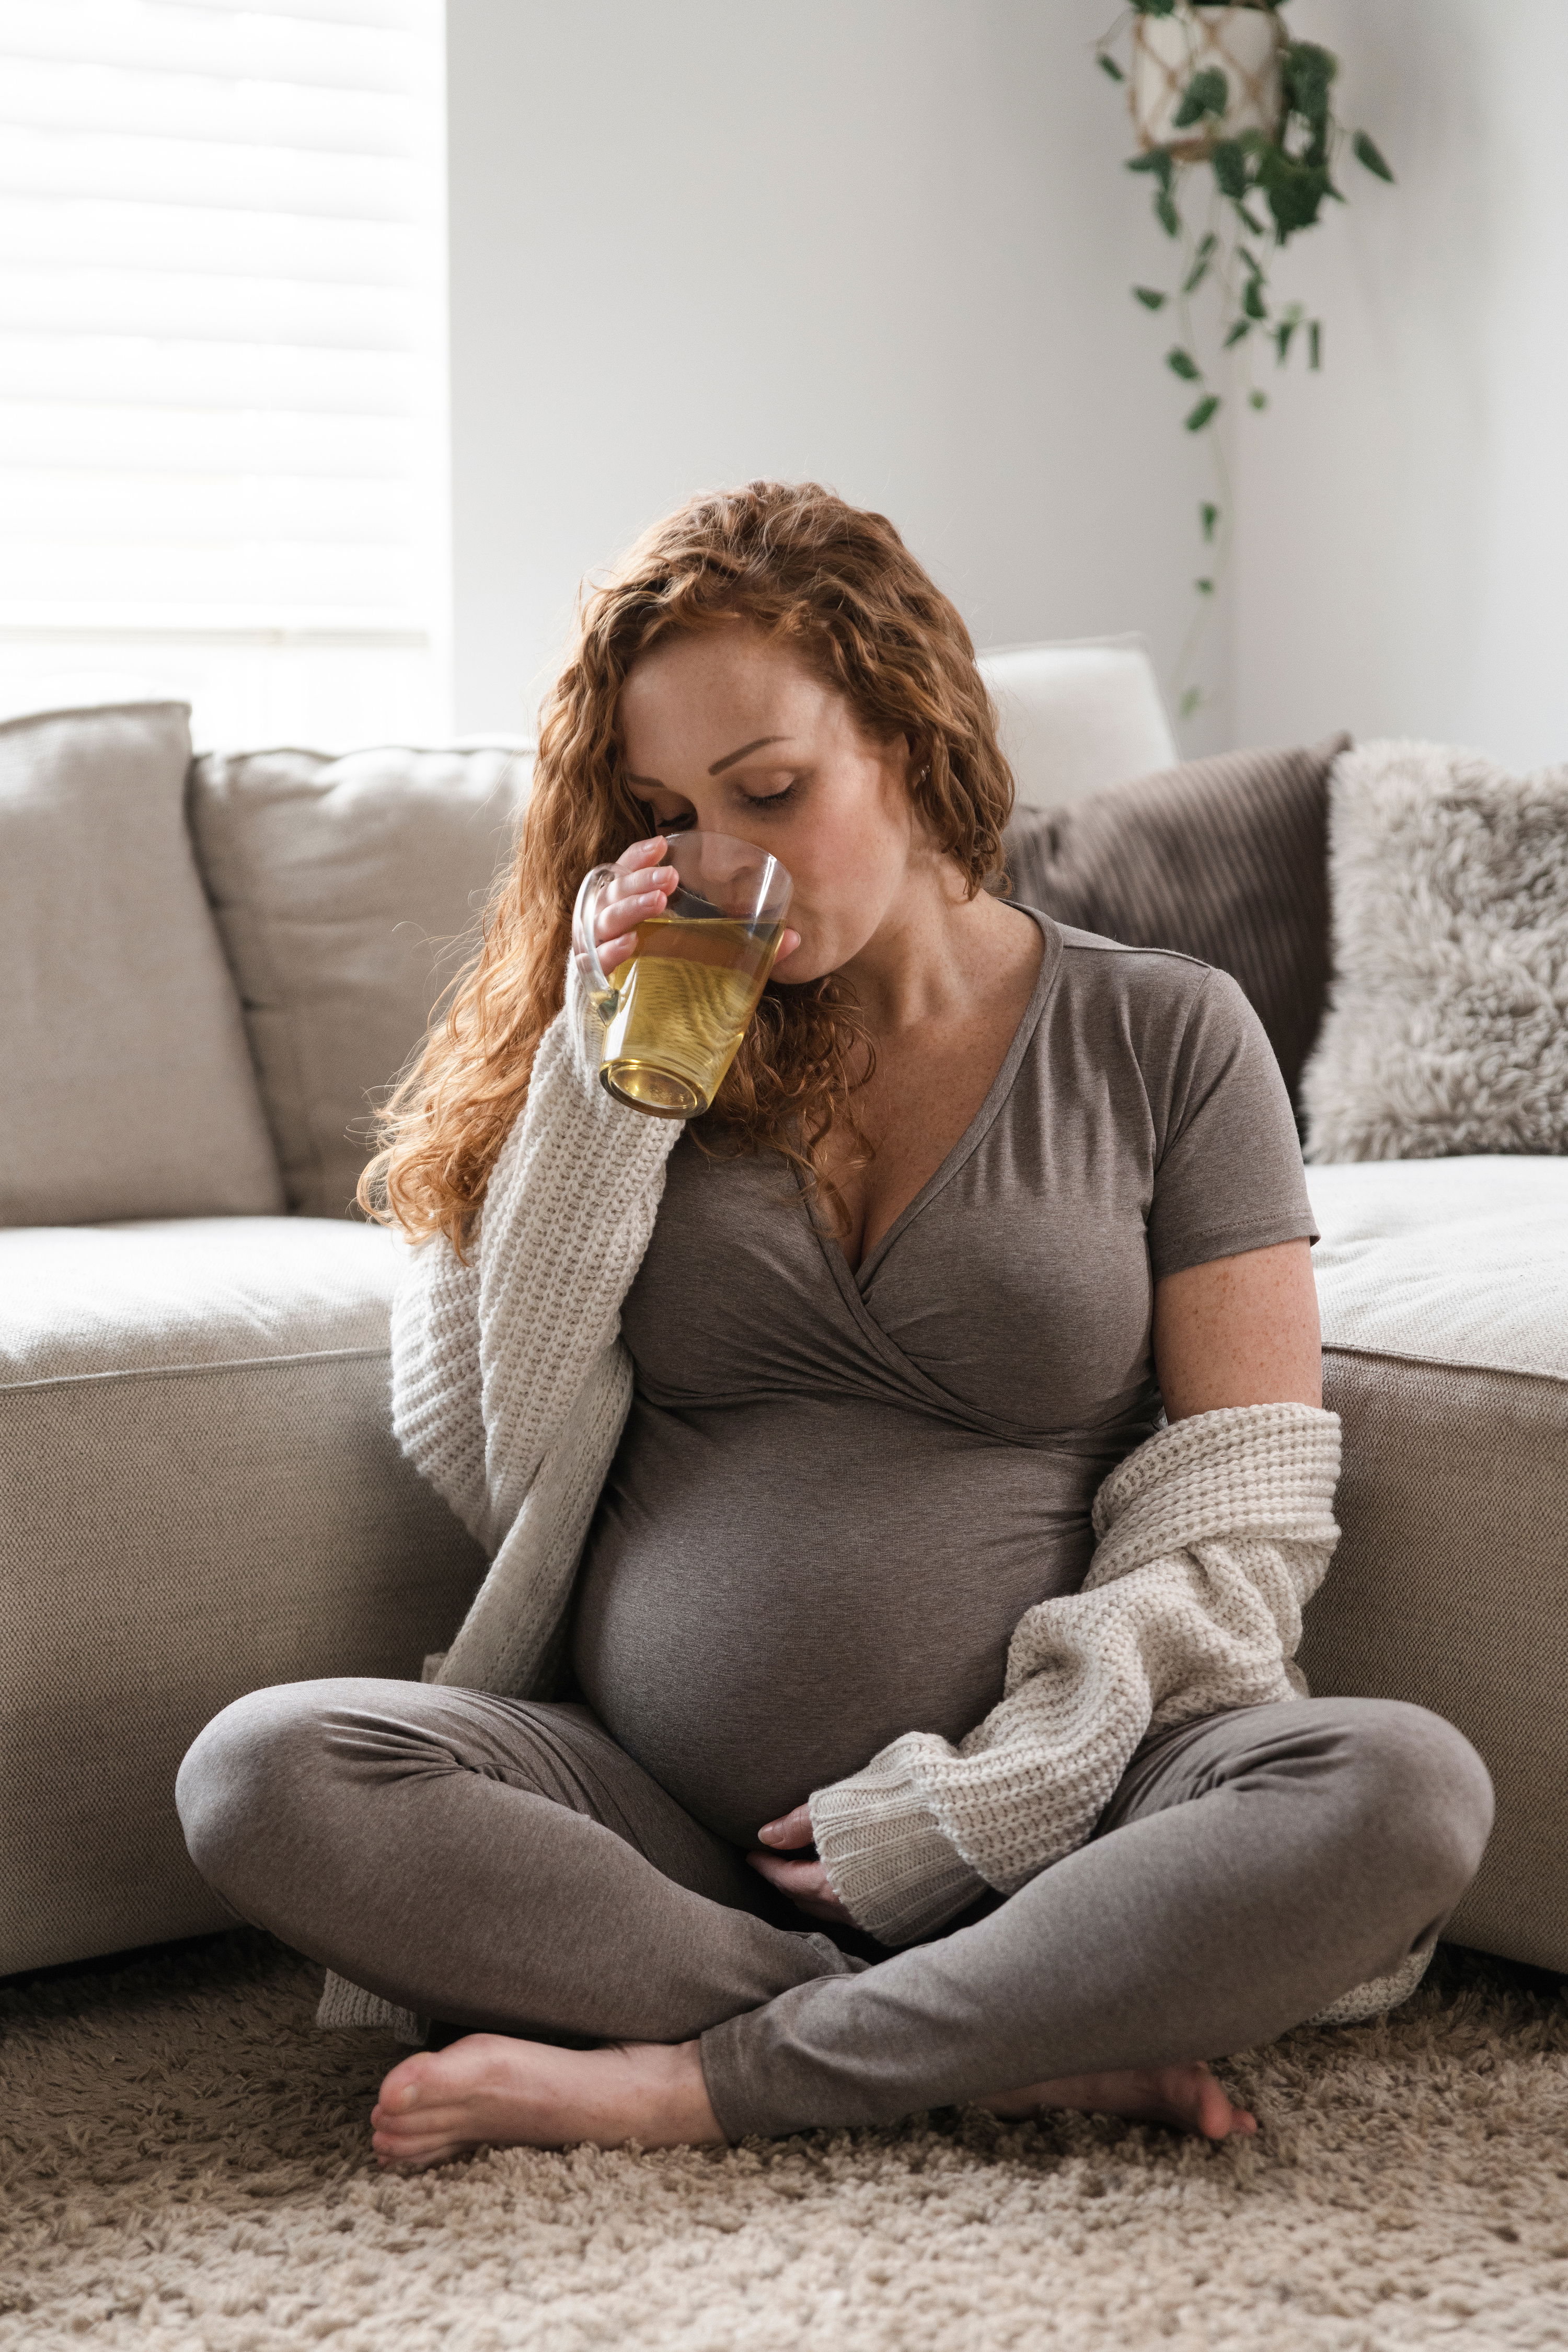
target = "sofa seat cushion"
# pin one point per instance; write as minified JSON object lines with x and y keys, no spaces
{"x":78,"y":1301}
{"x":1443,"y":1285}
{"x":199,"y":1495}
{"x":1461,"y":1261}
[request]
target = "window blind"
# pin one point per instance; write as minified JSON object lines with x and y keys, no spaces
{"x":222,"y":354}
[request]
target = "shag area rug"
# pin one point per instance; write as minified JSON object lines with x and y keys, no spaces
{"x":186,"y":2166}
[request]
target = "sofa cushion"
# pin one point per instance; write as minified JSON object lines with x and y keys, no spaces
{"x":199,"y":1495}
{"x":1076,"y":716}
{"x":346,"y":890}
{"x":1446,"y":1033}
{"x":126,"y":1089}
{"x":1225,"y":859}
{"x":1443,"y":1285}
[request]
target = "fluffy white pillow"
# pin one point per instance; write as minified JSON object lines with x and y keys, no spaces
{"x":1447,"y":1022}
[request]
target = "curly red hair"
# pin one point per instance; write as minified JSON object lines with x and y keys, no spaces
{"x":838,"y":584}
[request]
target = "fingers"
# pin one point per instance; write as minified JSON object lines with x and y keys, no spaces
{"x":640,"y":889}
{"x":793,"y":1828}
{"x":805,"y":1882}
{"x":787,"y":946}
{"x":796,"y":1878}
{"x":620,"y":908}
{"x":642,"y":853}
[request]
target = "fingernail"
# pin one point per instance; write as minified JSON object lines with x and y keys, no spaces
{"x":770,"y":1829}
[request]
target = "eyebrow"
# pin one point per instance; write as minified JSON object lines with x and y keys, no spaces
{"x":731,"y":757}
{"x":719,"y":766}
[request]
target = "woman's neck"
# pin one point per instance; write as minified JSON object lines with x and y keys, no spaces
{"x":932,"y":954}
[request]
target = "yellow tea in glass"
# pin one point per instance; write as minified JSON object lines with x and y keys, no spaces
{"x":675,"y":1010}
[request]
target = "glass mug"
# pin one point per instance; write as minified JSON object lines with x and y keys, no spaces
{"x":675,"y":1010}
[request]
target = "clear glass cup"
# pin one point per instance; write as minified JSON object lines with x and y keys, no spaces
{"x":675,"y":1010}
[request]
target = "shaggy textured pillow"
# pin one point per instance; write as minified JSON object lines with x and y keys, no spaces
{"x":1447,"y":1031}
{"x":1225,"y":859}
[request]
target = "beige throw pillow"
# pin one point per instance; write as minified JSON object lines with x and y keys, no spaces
{"x":346,"y":890}
{"x":1447,"y":1026}
{"x":126,"y":1089}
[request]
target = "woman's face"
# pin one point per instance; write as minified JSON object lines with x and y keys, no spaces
{"x":729,"y":731}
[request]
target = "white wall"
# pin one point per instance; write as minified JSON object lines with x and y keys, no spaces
{"x":1403,"y":543}
{"x":885,"y":243}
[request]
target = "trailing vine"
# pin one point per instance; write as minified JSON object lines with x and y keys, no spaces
{"x":1224,"y":201}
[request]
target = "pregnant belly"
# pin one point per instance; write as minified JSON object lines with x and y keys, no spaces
{"x":772,"y":1592}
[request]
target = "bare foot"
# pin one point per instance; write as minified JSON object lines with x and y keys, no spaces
{"x":491,"y":2090}
{"x":1187,"y":2098}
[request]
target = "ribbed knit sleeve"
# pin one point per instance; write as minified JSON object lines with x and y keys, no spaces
{"x":511,"y":1385}
{"x":1212,"y":1536}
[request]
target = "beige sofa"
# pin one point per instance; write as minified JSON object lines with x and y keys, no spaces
{"x":206,"y":969}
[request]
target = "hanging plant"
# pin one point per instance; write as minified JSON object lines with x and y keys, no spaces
{"x":1236,"y":130}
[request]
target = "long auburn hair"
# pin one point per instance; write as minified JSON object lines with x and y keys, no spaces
{"x":834,"y":583}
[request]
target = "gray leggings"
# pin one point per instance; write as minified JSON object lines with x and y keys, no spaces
{"x":502,"y":1864}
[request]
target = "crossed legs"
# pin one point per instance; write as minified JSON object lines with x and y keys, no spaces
{"x":501,"y":1864}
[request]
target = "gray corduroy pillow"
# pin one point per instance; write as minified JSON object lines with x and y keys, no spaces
{"x":1447,"y":1027}
{"x":1223,"y":859}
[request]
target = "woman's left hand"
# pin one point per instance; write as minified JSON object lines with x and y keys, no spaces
{"x":805,"y":1881}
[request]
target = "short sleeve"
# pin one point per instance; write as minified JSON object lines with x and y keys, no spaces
{"x":1228,"y":1177}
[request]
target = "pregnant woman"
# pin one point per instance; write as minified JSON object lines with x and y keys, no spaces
{"x":900,"y":1483}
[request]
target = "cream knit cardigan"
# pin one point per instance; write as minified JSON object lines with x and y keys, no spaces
{"x":511,"y":1386}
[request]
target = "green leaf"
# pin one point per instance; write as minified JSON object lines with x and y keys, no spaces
{"x":1108,"y":66}
{"x":1252,"y":300}
{"x":1243,"y":327}
{"x":1250,"y":218}
{"x":1208,"y":515}
{"x":1195,"y":277}
{"x":1182,"y":363}
{"x":1207,"y":93}
{"x":1315,"y":344}
{"x":1307,"y":72}
{"x":1295,"y":190}
{"x":1156,"y":160}
{"x":1282,"y":334}
{"x":1191,"y":698}
{"x":1155,"y":7}
{"x":1198,"y":417}
{"x":1165,"y":213}
{"x":1229,"y":161}
{"x":1150,"y":296}
{"x":1364,"y":152}
{"x":1203,"y":587}
{"x":1257,"y":399}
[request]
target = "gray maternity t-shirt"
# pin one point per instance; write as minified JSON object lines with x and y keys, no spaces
{"x":838,"y":1492}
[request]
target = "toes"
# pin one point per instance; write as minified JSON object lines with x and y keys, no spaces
{"x":400,"y":2090}
{"x":403,"y":2147}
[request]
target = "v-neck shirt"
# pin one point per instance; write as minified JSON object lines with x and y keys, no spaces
{"x":839,"y":1489}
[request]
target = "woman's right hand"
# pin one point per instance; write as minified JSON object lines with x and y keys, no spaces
{"x":640,"y":887}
